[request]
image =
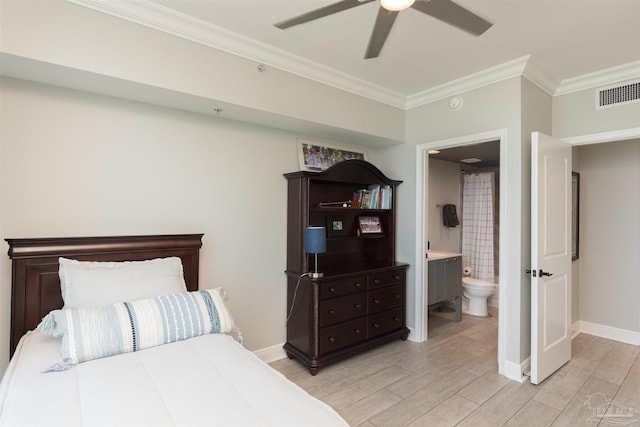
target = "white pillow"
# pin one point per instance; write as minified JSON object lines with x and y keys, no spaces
{"x":90,"y":283}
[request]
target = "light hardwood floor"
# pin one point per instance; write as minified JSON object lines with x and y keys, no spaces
{"x":452,"y":379}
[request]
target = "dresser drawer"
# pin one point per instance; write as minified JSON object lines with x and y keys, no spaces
{"x":387,"y":278}
{"x":336,"y":288}
{"x":338,"y":310}
{"x":384,"y":322}
{"x":342,"y":335}
{"x":384,"y":299}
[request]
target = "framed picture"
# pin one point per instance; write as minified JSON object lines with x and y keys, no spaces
{"x":369,"y":224}
{"x":316,"y":157}
{"x":336,"y":226}
{"x":575,"y":216}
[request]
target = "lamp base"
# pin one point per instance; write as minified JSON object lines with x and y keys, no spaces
{"x":316,"y":275}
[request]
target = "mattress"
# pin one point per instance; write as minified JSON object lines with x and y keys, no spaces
{"x":210,"y":380}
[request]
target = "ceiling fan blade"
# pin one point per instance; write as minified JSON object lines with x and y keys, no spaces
{"x":454,"y":14}
{"x":320,"y":13}
{"x":381,"y":29}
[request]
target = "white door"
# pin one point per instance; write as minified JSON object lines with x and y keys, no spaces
{"x":550,"y":255}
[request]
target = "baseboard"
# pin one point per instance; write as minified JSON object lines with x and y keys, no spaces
{"x":515,"y":371}
{"x":575,"y":329}
{"x":615,"y":334}
{"x":412,"y":335}
{"x":271,"y":354}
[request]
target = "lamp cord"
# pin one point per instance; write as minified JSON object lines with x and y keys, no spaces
{"x":293,"y":301}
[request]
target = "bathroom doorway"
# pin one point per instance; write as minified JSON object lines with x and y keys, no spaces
{"x":465,"y":180}
{"x":507,"y":261}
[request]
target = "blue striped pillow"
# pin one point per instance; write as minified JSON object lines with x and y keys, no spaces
{"x":92,"y":333}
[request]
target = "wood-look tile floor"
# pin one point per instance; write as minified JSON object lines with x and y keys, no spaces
{"x":453,"y":379}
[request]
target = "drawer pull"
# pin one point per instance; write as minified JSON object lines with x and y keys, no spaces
{"x":332,"y":339}
{"x":396,"y":277}
{"x":356,"y":331}
{"x":357,"y":285}
{"x":332,"y":312}
{"x":376,"y":301}
{"x":376,"y":325}
{"x":376,"y":281}
{"x":396,"y":296}
{"x":332,"y":289}
{"x":396,"y":319}
{"x":356,"y":305}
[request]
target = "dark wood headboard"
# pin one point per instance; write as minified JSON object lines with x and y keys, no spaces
{"x":35,"y":285}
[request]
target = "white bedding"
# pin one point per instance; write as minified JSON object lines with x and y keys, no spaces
{"x":203,"y":381}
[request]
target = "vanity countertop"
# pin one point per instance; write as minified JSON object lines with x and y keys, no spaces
{"x":435,"y":255}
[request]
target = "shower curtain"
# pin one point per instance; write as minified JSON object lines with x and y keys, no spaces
{"x":477,"y":224}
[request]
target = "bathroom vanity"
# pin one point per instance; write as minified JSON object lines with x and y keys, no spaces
{"x":445,"y":280}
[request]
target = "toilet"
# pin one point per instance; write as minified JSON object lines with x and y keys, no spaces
{"x":477,"y":292}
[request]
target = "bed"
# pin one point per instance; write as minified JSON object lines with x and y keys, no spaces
{"x":206,"y":378}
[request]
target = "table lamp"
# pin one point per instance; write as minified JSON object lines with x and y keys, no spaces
{"x":316,"y":243}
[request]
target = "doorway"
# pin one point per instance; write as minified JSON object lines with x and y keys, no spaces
{"x":422,"y":218}
{"x":467,"y":177}
{"x":593,"y":313}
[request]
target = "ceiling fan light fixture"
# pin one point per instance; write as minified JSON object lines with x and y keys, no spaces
{"x":396,"y":5}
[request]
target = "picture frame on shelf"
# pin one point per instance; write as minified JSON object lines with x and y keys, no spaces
{"x":337,"y":226}
{"x":369,"y":224}
{"x":318,"y":157}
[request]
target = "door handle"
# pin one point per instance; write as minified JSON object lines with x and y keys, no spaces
{"x":540,"y":273}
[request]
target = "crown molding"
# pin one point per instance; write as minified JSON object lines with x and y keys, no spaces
{"x":609,"y":136}
{"x":599,"y":78}
{"x":486,"y":77}
{"x":535,"y":73}
{"x":181,"y":25}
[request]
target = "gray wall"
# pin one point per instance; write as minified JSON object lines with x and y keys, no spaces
{"x":444,"y":187}
{"x":608,"y":267}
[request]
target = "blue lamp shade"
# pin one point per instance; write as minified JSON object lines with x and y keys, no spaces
{"x":316,"y":240}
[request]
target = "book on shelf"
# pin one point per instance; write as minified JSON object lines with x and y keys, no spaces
{"x":375,"y":196}
{"x":385,"y":197}
{"x":374,"y":190}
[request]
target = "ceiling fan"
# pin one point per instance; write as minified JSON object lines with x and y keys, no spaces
{"x":444,"y":10}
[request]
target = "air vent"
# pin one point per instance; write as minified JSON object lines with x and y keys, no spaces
{"x":618,"y":95}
